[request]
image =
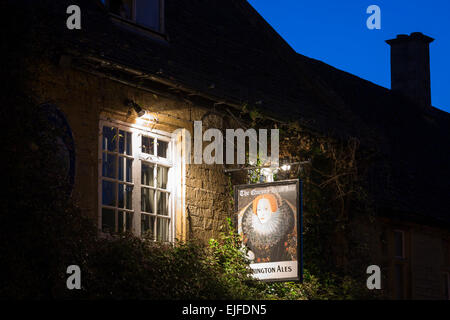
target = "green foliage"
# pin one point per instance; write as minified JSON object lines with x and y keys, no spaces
{"x":128,"y":267}
{"x":253,"y":113}
{"x":254,"y":175}
{"x":230,"y":258}
{"x":336,"y":207}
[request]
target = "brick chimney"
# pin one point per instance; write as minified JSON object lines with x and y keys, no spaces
{"x":410,"y":66}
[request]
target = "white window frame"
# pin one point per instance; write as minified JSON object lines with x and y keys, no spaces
{"x":161,"y":28}
{"x":138,"y":157}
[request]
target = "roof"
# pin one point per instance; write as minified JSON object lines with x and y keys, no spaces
{"x":225,"y":51}
{"x":412,"y":172}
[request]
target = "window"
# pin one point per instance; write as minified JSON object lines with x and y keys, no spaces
{"x":446,"y":285}
{"x":400,"y":265}
{"x":147,"y":13}
{"x":135,"y":182}
{"x":399,"y":282}
{"x":399,"y":244}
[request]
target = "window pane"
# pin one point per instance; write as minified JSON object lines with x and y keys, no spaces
{"x":148,"y":145}
{"x":108,"y":220}
{"x":163,"y":203}
{"x":162,"y":148}
{"x":125,"y":196}
{"x":125,"y":221}
{"x":163,"y":229}
{"x":399,"y":281}
{"x":109,"y":193}
{"x":446,"y":286}
{"x":147,"y":226}
{"x":147,"y":175}
{"x":127,"y":163}
{"x":109,"y":138}
{"x":147,"y":13}
{"x":147,"y":200}
{"x":162,"y":177}
{"x":125,"y":142}
{"x":109,"y":165}
{"x":398,"y":243}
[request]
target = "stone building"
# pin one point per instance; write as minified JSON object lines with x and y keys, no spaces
{"x":182,"y":61}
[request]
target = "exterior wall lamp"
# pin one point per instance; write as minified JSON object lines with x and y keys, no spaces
{"x":137,"y":108}
{"x":285,"y":165}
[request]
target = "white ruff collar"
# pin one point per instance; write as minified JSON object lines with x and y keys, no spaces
{"x":266,"y":228}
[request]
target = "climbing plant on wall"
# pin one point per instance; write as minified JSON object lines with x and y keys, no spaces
{"x":337,"y":206}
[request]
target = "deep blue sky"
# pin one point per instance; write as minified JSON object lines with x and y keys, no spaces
{"x":335,"y":32}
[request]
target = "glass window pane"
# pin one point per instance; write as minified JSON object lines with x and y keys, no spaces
{"x":108,"y":220}
{"x":148,"y":226}
{"x":147,"y":13}
{"x":147,"y":175}
{"x":163,"y":203}
{"x":399,"y":281}
{"x":125,"y":142}
{"x":446,"y":286}
{"x":127,"y":163}
{"x":109,"y":138}
{"x":148,"y":145}
{"x":125,"y":221}
{"x":162,"y":148}
{"x":108,"y":193}
{"x":147,"y":200}
{"x":109,"y":165}
{"x":162,"y":177}
{"x":163,"y":229}
{"x":125,"y":196}
{"x":398,"y":243}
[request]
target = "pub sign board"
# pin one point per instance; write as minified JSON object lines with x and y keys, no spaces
{"x":268,"y":218}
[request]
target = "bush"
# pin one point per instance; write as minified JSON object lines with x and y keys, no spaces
{"x":131,"y":268}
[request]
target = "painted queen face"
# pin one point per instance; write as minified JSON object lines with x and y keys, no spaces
{"x":263,"y":210}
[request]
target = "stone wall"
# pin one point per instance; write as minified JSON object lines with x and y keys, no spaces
{"x":83,"y":98}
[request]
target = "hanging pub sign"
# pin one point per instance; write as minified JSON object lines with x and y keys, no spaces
{"x":268,"y":217}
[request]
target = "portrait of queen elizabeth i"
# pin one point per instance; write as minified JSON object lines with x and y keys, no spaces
{"x":268,"y":229}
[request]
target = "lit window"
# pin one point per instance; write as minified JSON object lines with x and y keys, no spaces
{"x":147,"y":13}
{"x":136,"y":189}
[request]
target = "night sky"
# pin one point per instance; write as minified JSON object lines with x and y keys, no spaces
{"x":335,"y":32}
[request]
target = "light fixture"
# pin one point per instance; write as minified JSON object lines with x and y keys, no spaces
{"x":268,"y":174}
{"x":140,"y":112}
{"x":285,"y":165}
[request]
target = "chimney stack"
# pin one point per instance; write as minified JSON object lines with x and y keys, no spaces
{"x":410,"y":66}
